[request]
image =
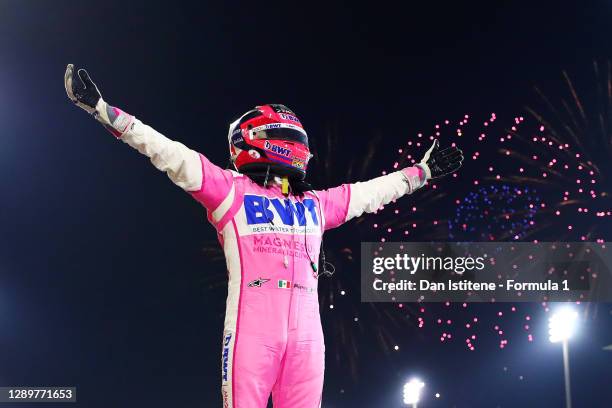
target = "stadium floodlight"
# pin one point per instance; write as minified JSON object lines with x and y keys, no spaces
{"x":561,"y":327}
{"x":412,"y":392}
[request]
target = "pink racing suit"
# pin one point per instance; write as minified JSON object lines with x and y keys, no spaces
{"x":272,"y":341}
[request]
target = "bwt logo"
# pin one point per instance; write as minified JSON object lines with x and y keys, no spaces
{"x":283,"y":151}
{"x":226,"y":351}
{"x":289,"y":117}
{"x":262,"y":210}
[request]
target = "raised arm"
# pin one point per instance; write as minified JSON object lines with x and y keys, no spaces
{"x":185,"y":167}
{"x":342,"y":203}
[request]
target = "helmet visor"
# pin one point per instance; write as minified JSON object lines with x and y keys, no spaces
{"x":280,"y":131}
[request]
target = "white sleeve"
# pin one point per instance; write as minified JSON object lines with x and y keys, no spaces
{"x":369,"y":196}
{"x":182,"y":164}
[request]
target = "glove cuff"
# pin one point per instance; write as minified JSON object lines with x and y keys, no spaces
{"x":427,"y":172}
{"x":113,"y":119}
{"x":414,"y":176}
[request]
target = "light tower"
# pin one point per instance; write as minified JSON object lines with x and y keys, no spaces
{"x":412,"y":392}
{"x":562,"y":325}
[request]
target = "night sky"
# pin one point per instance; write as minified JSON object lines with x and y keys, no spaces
{"x":107,"y":276}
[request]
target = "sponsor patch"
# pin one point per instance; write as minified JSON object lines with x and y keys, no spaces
{"x":262,"y":210}
{"x":225,"y":356}
{"x":304,"y":288}
{"x":258,"y":282}
{"x":226,"y":402}
{"x":122,"y":121}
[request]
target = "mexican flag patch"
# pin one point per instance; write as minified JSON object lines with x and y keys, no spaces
{"x":284,"y":284}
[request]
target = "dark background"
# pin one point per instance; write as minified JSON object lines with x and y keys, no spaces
{"x":102,"y":274}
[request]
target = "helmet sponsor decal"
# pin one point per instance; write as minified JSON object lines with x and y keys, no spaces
{"x":278,"y":108}
{"x":299,"y":164}
{"x":287,"y":116}
{"x":276,"y":149}
{"x":238,"y":141}
{"x":277,"y":126}
{"x":254,"y":154}
{"x":270,"y":126}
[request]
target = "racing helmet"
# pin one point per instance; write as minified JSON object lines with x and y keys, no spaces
{"x":269,"y":139}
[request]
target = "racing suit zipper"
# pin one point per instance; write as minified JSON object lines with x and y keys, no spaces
{"x":293,"y":303}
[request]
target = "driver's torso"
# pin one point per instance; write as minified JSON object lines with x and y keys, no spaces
{"x":271,"y":244}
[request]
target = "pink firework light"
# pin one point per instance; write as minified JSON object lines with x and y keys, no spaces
{"x":566,"y":157}
{"x":469,"y":326}
{"x":349,"y":320}
{"x":498,"y":151}
{"x":574,"y":143}
{"x":562,"y":147}
{"x":576,"y":123}
{"x":520,"y":153}
{"x":429,"y":217}
{"x":422,"y":219}
{"x":461,"y":323}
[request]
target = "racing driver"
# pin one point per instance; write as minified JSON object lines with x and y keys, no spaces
{"x":270,"y":223}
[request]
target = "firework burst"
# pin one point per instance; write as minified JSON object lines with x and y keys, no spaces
{"x":572,"y":150}
{"x":495,"y":213}
{"x":544,"y":177}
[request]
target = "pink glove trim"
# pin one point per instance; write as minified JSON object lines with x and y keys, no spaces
{"x":411,"y":172}
{"x":120,"y":121}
